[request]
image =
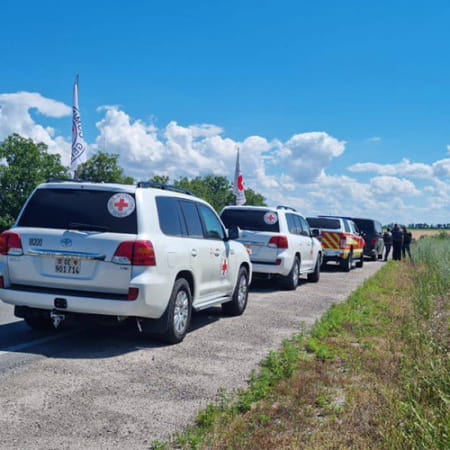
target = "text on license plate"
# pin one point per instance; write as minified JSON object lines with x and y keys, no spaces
{"x":68,"y":265}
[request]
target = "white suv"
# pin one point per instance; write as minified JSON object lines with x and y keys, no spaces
{"x":148,"y":252}
{"x":279,"y":241}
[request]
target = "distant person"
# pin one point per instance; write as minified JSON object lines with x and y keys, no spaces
{"x":387,"y":238}
{"x":397,"y":243}
{"x":407,"y":238}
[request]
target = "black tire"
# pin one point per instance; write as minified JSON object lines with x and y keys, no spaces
{"x":346,"y":264}
{"x":315,"y":276}
{"x":179,"y":313}
{"x":290,"y":281}
{"x":39,"y":322}
{"x":360,"y":262}
{"x":374,"y":257}
{"x":238,"y":303}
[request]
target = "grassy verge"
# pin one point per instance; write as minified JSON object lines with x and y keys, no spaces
{"x":374,"y":372}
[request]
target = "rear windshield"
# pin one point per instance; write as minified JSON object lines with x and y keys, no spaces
{"x":328,"y":224}
{"x":365,"y":225}
{"x":253,"y":220}
{"x":82,"y":209}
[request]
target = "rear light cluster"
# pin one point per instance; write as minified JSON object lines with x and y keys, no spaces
{"x":10,"y":244}
{"x":278,"y":242}
{"x":373,"y":241}
{"x":343,"y":239}
{"x":136,"y":253}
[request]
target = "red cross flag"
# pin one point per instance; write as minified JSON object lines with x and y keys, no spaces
{"x":238,"y":186}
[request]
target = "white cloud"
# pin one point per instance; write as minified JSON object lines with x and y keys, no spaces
{"x":15,"y":117}
{"x":374,"y":139}
{"x":405,"y":168}
{"x":393,"y":187}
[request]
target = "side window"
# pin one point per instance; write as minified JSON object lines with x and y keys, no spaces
{"x":213,"y":227}
{"x":192,"y":219}
{"x":169,"y":216}
{"x":292,"y":224}
{"x":378,"y":227}
{"x":298,"y":224}
{"x":305,"y":227}
{"x":346,"y":226}
{"x":353,"y":228}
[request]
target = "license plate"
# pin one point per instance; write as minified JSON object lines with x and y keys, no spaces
{"x":68,"y":265}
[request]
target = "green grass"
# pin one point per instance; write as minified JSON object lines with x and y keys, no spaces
{"x":374,"y":372}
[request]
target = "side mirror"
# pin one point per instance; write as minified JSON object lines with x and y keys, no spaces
{"x":234,"y":233}
{"x":315,"y":232}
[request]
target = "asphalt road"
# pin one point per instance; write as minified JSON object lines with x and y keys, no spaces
{"x":111,"y":388}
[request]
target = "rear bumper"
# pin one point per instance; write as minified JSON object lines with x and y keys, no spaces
{"x":271,"y":268}
{"x":83,"y":304}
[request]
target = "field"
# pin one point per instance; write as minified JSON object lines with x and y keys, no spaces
{"x":374,"y":372}
{"x":426,"y":232}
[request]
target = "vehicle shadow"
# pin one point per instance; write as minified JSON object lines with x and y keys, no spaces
{"x":265,"y":285}
{"x":89,"y":341}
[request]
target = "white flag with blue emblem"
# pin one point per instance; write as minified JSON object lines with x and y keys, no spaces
{"x":79,"y":148}
{"x":238,"y":187}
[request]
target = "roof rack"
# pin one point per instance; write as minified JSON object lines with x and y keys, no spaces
{"x":62,"y":180}
{"x":168,"y":187}
{"x":286,"y":207}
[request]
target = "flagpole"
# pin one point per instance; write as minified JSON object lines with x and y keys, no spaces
{"x":79,"y":147}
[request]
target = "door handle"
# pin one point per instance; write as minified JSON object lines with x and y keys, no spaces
{"x":194,"y":252}
{"x":217,"y":252}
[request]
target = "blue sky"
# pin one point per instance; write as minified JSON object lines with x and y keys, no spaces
{"x":372,"y":77}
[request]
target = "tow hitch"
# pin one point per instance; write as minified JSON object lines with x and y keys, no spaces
{"x":57,"y":318}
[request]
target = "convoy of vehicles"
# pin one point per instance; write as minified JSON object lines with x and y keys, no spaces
{"x":154,"y":253}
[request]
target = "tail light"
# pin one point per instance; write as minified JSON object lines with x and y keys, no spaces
{"x":10,"y":244}
{"x":373,"y":241}
{"x":136,"y":253}
{"x":278,"y":242}
{"x":2,"y":283}
{"x":133,"y":293}
{"x":343,"y":239}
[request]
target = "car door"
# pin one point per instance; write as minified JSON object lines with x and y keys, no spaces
{"x":295,"y":238}
{"x":220,"y":263}
{"x":307,"y":243}
{"x":197,"y":248}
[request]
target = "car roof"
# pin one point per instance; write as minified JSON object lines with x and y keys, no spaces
{"x":263,"y":208}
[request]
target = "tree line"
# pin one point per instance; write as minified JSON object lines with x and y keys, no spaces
{"x":25,"y":164}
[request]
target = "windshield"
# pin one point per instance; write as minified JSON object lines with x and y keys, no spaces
{"x":253,"y":220}
{"x":327,"y":224}
{"x":80,"y":209}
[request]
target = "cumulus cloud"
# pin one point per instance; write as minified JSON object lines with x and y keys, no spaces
{"x":15,"y":117}
{"x":405,"y":168}
{"x":392,"y":186}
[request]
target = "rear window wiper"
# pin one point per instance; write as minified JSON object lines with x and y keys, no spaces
{"x":86,"y":226}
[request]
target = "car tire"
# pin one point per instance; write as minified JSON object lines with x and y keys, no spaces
{"x":346,"y":264}
{"x":380,"y":255}
{"x":315,"y":276}
{"x":290,"y":281}
{"x":238,"y":303}
{"x":179,"y":313}
{"x":40,"y":322}
{"x":360,"y":262}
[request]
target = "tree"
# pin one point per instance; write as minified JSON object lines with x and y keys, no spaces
{"x":25,"y":164}
{"x":161,"y":179}
{"x":103,"y":167}
{"x":253,"y":198}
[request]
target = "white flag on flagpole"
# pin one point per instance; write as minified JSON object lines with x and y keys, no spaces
{"x":238,"y":187}
{"x":79,"y":153}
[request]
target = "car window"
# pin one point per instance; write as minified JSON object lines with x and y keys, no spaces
{"x":251,"y":219}
{"x":169,"y":216}
{"x":192,"y":219}
{"x":320,"y":222}
{"x":305,"y":226}
{"x":378,"y":227}
{"x":368,"y":226}
{"x":63,"y":208}
{"x":292,"y":224}
{"x":213,"y":227}
{"x":352,"y":227}
{"x":346,"y":225}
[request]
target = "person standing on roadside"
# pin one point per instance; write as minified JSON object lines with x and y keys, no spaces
{"x":407,"y":238}
{"x":397,"y":243}
{"x":387,"y":239}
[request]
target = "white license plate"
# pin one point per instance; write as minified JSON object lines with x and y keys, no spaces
{"x":68,"y":265}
